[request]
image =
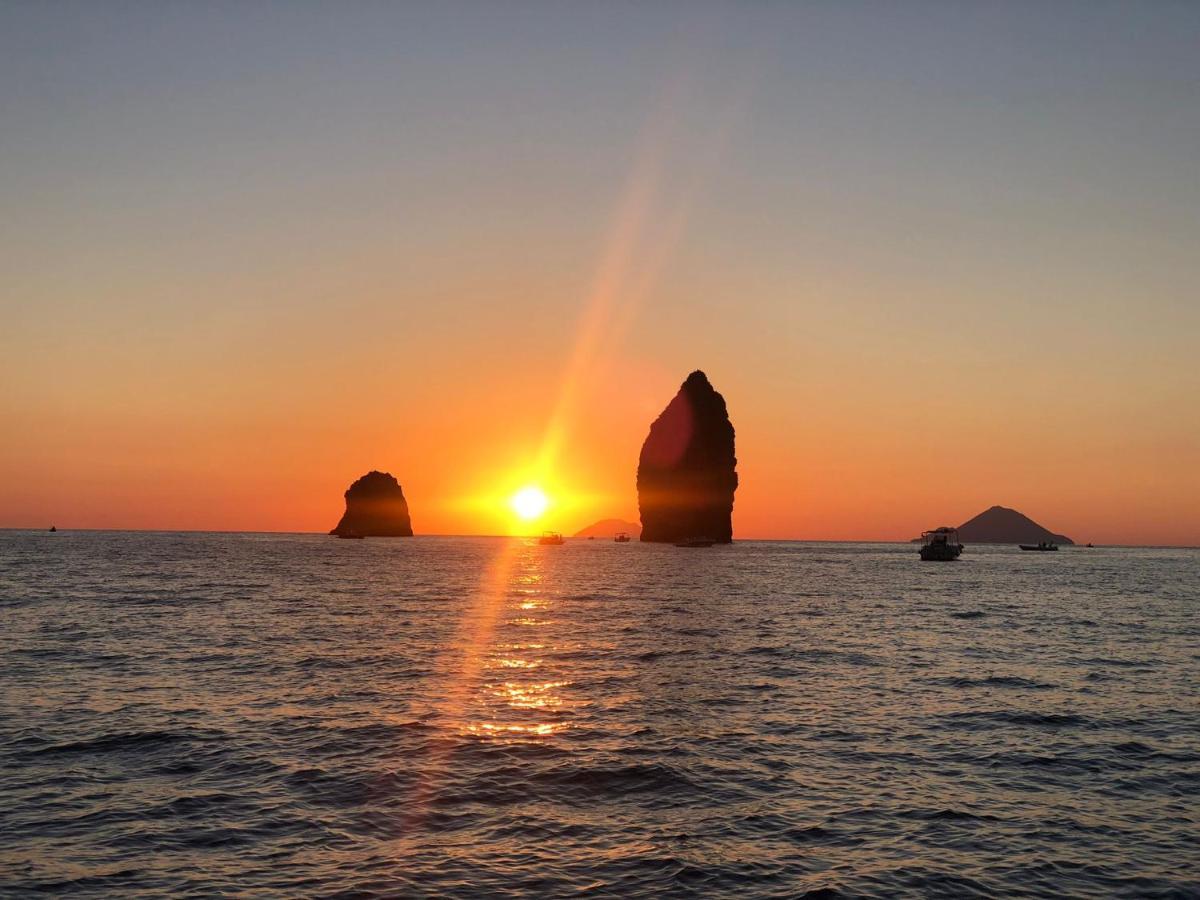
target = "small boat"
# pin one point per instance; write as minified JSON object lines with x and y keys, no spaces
{"x":53,"y":528}
{"x":550,"y":537}
{"x":940,"y":545}
{"x":350,"y":536}
{"x":1090,"y":544}
{"x":1043,"y":546}
{"x":621,"y":538}
{"x":695,"y":542}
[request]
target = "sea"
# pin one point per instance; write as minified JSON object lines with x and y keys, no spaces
{"x":282,"y":715}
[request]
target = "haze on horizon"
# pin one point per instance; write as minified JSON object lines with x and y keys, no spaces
{"x":935,"y":257}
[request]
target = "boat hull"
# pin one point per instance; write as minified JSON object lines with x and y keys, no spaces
{"x":941,"y":552}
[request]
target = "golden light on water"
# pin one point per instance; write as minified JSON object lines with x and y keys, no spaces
{"x":492,"y":729}
{"x":530,"y":696}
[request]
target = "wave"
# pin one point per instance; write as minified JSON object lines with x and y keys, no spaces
{"x":131,"y":741}
{"x":1000,"y":681}
{"x":1018,"y":717}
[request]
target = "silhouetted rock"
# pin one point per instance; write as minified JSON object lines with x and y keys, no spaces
{"x":687,"y":469}
{"x":1001,"y":525}
{"x":375,"y":507}
{"x":607,"y":528}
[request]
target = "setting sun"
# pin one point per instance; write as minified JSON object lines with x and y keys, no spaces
{"x":529,"y":502}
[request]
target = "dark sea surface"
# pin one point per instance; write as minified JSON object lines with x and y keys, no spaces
{"x":294,"y":715}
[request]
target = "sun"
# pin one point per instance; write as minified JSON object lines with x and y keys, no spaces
{"x":529,"y":502}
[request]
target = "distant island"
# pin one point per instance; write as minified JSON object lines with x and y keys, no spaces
{"x":1001,"y":525}
{"x":607,"y":528}
{"x":687,"y":470}
{"x":375,"y":507}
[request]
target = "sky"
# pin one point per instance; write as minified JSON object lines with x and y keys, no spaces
{"x":936,"y":256}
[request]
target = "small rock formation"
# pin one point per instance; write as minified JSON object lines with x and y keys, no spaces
{"x":607,"y":528}
{"x":687,"y":469}
{"x":1001,"y":525}
{"x":375,"y":507}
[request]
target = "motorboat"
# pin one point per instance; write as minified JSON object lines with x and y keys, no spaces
{"x":550,"y":537}
{"x":1041,"y":546}
{"x":940,"y":545}
{"x":621,"y":537}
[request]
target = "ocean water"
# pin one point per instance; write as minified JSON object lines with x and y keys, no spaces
{"x":292,"y":715}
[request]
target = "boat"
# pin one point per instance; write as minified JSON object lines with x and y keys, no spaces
{"x":550,"y":537}
{"x":695,"y":542}
{"x":940,"y":545}
{"x":621,"y":537}
{"x":1043,"y":546}
{"x":350,"y":536}
{"x":53,"y":528}
{"x":1090,"y":544}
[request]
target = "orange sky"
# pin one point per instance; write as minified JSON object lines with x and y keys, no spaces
{"x":237,"y":277}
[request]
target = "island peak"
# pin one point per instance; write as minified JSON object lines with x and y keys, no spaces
{"x":1004,"y":525}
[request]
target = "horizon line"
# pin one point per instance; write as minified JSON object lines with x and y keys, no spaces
{"x":778,"y":540}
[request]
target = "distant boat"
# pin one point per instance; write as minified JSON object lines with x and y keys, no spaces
{"x":695,"y":542}
{"x":52,"y":528}
{"x":1043,"y":546}
{"x":550,"y":537}
{"x":350,"y":536}
{"x":940,"y":545}
{"x":622,"y":537}
{"x":1090,"y":544}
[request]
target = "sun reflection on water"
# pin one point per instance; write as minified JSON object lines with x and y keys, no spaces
{"x":529,"y":696}
{"x":495,"y":729}
{"x":505,"y":707}
{"x":518,"y":663}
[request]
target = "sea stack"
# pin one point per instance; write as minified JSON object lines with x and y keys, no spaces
{"x":687,"y":469}
{"x":375,"y":507}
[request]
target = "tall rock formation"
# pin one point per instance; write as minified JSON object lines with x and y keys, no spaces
{"x":375,"y":507}
{"x":687,"y":469}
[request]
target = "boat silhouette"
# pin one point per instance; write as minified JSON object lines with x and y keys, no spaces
{"x":940,"y":545}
